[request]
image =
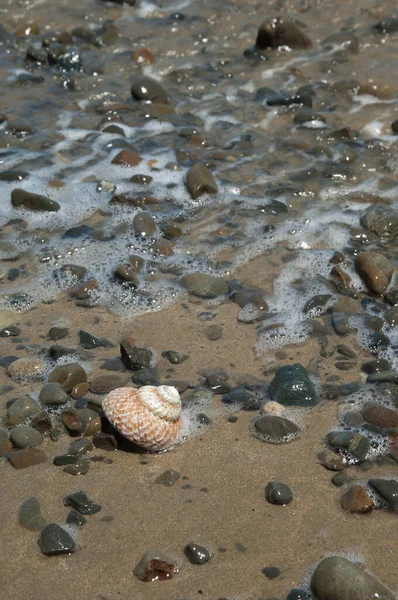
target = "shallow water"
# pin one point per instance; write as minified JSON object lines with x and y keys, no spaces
{"x":286,"y":220}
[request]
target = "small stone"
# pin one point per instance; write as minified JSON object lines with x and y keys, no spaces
{"x":127,"y":158}
{"x":144,"y":224}
{"x":79,"y":468}
{"x":30,"y":516}
{"x":200,"y":181}
{"x":22,"y":409}
{"x":375,"y":271}
{"x":55,"y":540}
{"x":197,"y":555}
{"x":342,"y":39}
{"x":57,"y":333}
{"x":22,"y":459}
{"x":154,"y":565}
{"x":381,"y":220}
{"x":337,"y":578}
{"x":298,"y":594}
{"x":388,"y":490}
{"x":75,"y":519}
{"x":273,"y":429}
{"x":82,"y":503}
{"x":340,"y":479}
{"x":68,"y":376}
{"x":52,"y":393}
{"x":133,"y":357}
{"x":56,"y":351}
{"x":105,"y":441}
{"x":277,"y":492}
{"x":389,"y":376}
{"x":205,"y":286}
{"x":274,"y":409}
{"x":10,"y":331}
{"x":22,"y":198}
{"x":25,"y":437}
{"x":65,"y":459}
{"x":5,"y":444}
{"x":89,"y":341}
{"x":81,"y":447}
{"x":80,"y":390}
{"x":280,"y":32}
{"x":388,"y":25}
{"x":127,"y":274}
{"x":358,"y":445}
{"x":357,"y":500}
{"x":331,"y":461}
{"x":104,"y":384}
{"x":82,"y":291}
{"x":168,"y":478}
{"x":213,"y":332}
{"x":271,"y":572}
{"x":292,"y":386}
{"x":147,"y":89}
{"x":175,"y":358}
{"x":27,"y":369}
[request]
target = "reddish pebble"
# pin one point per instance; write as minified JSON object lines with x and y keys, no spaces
{"x":80,"y":390}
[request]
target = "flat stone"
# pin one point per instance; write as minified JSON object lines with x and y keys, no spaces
{"x":30,"y":516}
{"x":22,"y":459}
{"x":200,"y":181}
{"x":213,"y":332}
{"x":358,"y":445}
{"x":388,"y":490}
{"x":24,"y":199}
{"x":52,"y":393}
{"x":376,"y":365}
{"x":277,"y":492}
{"x":25,"y":437}
{"x":375,"y":271}
{"x":55,"y":540}
{"x":292,"y":386}
{"x":10,"y":331}
{"x":103,"y":384}
{"x":389,"y":376}
{"x":65,"y":459}
{"x":275,"y":429}
{"x":133,"y":357}
{"x":204,"y":286}
{"x":27,"y":369}
{"x":21,"y":409}
{"x":281,"y":31}
{"x":357,"y":500}
{"x":82,"y":503}
{"x":197,"y":555}
{"x":81,"y":467}
{"x":337,"y":578}
{"x":154,"y":565}
{"x":68,"y":376}
{"x":168,"y":478}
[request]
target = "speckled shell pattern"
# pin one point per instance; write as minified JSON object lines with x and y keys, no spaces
{"x":149,"y":416}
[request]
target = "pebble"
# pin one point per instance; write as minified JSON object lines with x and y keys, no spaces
{"x":389,"y":376}
{"x":81,"y":467}
{"x":22,"y":459}
{"x":30,"y":516}
{"x":89,"y":341}
{"x":376,"y":365}
{"x":357,"y":500}
{"x":127,"y":158}
{"x":144,"y":224}
{"x":82,"y":503}
{"x":21,"y":409}
{"x":340,"y":479}
{"x":75,"y":519}
{"x":52,"y":393}
{"x":168,"y":478}
{"x":381,"y":220}
{"x":175,"y":358}
{"x":103,"y":384}
{"x":388,"y":490}
{"x":155,"y":565}
{"x":68,"y":376}
{"x":57,"y":333}
{"x":65,"y":459}
{"x":133,"y":357}
{"x":127,"y":274}
{"x":80,"y":390}
{"x":55,"y":540}
{"x":27,"y":369}
{"x":281,"y":31}
{"x":277,"y":492}
{"x":105,"y":441}
{"x":271,"y":572}
{"x":10,"y":331}
{"x":25,"y":437}
{"x":148,"y":89}
{"x":375,"y":271}
{"x":204,"y":286}
{"x":200,"y":181}
{"x":358,"y":445}
{"x":22,"y":198}
{"x":81,"y":447}
{"x":197,"y":555}
{"x":5,"y":444}
{"x":213,"y":332}
{"x":274,"y":409}
{"x":292,"y":386}
{"x":298,"y":594}
{"x":275,"y":429}
{"x":337,"y":578}
{"x":331,"y":461}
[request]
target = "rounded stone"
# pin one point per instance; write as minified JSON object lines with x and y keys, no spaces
{"x":197,"y":555}
{"x":21,"y":409}
{"x":205,"y":286}
{"x":277,"y":492}
{"x":273,"y":429}
{"x":148,"y":89}
{"x":375,"y":271}
{"x":25,"y":437}
{"x":27,"y":369}
{"x":68,"y":376}
{"x":292,"y":386}
{"x":274,"y":409}
{"x":357,"y":500}
{"x":52,"y":393}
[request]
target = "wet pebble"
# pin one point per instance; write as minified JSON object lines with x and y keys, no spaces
{"x":81,"y":467}
{"x":337,"y":578}
{"x":105,"y":441}
{"x":292,"y":386}
{"x":22,"y":409}
{"x":168,"y":478}
{"x":357,"y":500}
{"x":281,"y":31}
{"x":22,"y":459}
{"x":55,"y":540}
{"x":88,"y":340}
{"x":75,"y":519}
{"x":375,"y":271}
{"x":134,"y":358}
{"x":30,"y":516}
{"x":358,"y":445}
{"x":331,"y":461}
{"x":155,"y":565}
{"x":277,"y":492}
{"x":270,"y":428}
{"x":68,"y":376}
{"x":388,"y":490}
{"x":148,"y":89}
{"x":25,"y":437}
{"x":103,"y":384}
{"x":205,"y":286}
{"x":200,"y":180}
{"x":270,"y":572}
{"x":65,"y":459}
{"x":298,"y":594}
{"x":82,"y":503}
{"x":57,"y":333}
{"x":175,"y":358}
{"x":27,"y":369}
{"x":197,"y":555}
{"x":36,"y":202}
{"x":52,"y":393}
{"x":81,"y":447}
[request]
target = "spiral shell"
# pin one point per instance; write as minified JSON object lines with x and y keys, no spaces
{"x":149,"y":417}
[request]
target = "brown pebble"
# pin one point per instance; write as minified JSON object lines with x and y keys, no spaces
{"x":105,"y":441}
{"x":21,"y":459}
{"x":357,"y":500}
{"x":80,"y":390}
{"x":127,"y":158}
{"x":106,"y":383}
{"x":82,"y":291}
{"x":380,"y":416}
{"x":27,"y":29}
{"x":42,"y":422}
{"x":143,"y":56}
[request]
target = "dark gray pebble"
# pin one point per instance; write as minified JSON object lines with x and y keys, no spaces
{"x":76,"y":519}
{"x":168,"y":478}
{"x":277,"y":492}
{"x":197,"y":555}
{"x":10,"y":331}
{"x":55,"y":540}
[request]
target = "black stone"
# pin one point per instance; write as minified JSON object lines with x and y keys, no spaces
{"x":277,"y":492}
{"x":10,"y":331}
{"x":55,"y":540}
{"x":197,"y":555}
{"x":388,"y":490}
{"x":82,"y":503}
{"x":76,"y":519}
{"x":271,"y":572}
{"x":65,"y":459}
{"x":133,"y":357}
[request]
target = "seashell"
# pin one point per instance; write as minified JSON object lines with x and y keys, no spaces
{"x":273,"y":408}
{"x":149,"y":416}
